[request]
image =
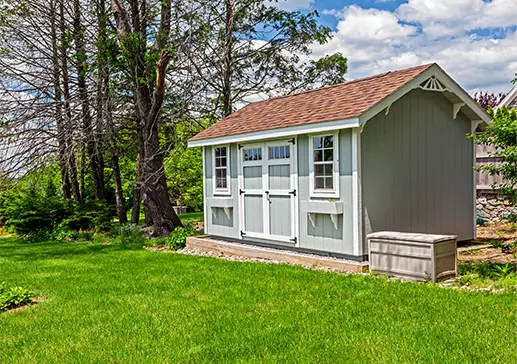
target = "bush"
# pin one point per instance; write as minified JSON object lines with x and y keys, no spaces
{"x":33,"y":214}
{"x":131,"y":234}
{"x":36,"y":214}
{"x":93,"y":214}
{"x":11,"y":297}
{"x":178,"y":238}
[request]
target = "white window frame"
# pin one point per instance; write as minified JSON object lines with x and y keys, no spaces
{"x":319,"y":193}
{"x":221,"y":191}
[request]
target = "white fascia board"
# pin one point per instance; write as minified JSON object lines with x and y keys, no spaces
{"x":449,"y":82}
{"x":444,"y":78}
{"x":508,"y":98}
{"x":279,"y":133}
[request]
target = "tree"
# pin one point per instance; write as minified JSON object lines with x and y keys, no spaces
{"x":501,"y":133}
{"x":248,"y":49}
{"x":488,"y":100}
{"x":147,"y":65}
{"x":92,"y":144}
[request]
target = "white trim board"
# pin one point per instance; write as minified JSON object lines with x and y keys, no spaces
{"x":508,"y":98}
{"x":318,"y":193}
{"x":357,"y":227}
{"x":279,"y":133}
{"x":221,"y":191}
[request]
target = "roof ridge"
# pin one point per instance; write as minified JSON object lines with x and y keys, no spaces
{"x":427,"y":65}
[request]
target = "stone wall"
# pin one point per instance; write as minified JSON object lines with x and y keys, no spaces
{"x":493,"y":209}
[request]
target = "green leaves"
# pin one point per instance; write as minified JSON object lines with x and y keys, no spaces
{"x":502,"y":135}
{"x":178,"y":238}
{"x":11,"y":297}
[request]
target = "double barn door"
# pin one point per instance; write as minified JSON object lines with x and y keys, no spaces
{"x":267,"y":190}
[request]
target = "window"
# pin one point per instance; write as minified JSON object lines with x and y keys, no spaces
{"x":221,"y":165}
{"x":279,"y":152}
{"x":324,"y":165}
{"x":253,"y":154}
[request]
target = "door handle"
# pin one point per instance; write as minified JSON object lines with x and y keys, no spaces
{"x":267,"y":196}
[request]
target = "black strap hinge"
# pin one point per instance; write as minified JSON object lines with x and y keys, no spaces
{"x":293,"y":192}
{"x":241,"y":191}
{"x":292,"y":140}
{"x":240,"y":146}
{"x":242,"y":233}
{"x":295,"y":239}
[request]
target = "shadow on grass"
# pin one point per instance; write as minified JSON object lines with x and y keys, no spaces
{"x":14,"y":248}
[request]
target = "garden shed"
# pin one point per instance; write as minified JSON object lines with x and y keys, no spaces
{"x":319,"y":170}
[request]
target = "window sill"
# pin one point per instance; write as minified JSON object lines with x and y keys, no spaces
{"x":222,"y":193}
{"x":329,"y":195}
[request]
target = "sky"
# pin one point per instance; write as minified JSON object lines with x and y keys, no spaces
{"x":475,"y":41}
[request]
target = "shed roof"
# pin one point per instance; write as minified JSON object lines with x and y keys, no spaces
{"x":331,"y":103}
{"x":510,"y":100}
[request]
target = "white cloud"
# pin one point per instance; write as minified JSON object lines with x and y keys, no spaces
{"x":292,"y":4}
{"x":373,"y":25}
{"x":377,"y":41}
{"x":446,"y":18}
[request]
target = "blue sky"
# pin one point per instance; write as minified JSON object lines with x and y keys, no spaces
{"x":475,"y":41}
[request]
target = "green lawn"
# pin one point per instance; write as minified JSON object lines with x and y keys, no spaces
{"x":189,"y":217}
{"x":125,"y":304}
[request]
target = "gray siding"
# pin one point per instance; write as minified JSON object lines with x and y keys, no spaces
{"x":417,"y":168}
{"x":216,"y":221}
{"x":324,"y":236}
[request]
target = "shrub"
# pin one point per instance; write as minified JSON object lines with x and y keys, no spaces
{"x":37,"y":215}
{"x":131,"y":234}
{"x":92,"y":215}
{"x":11,"y":297}
{"x":178,"y":238}
{"x":32,"y":214}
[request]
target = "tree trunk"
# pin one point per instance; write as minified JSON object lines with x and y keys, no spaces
{"x":63,"y":165}
{"x":68,"y":124}
{"x":137,"y":188}
{"x":119,"y":195}
{"x":104,"y":109}
{"x":228,"y":59}
{"x":148,"y":102}
{"x":95,"y":157}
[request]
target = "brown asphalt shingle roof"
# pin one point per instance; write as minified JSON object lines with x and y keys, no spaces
{"x":343,"y":101}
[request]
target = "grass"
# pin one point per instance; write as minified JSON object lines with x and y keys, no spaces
{"x":189,"y":217}
{"x":121,"y":303}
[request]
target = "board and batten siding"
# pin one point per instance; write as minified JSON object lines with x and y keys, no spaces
{"x":324,"y":236}
{"x":216,"y":221}
{"x":417,"y":168}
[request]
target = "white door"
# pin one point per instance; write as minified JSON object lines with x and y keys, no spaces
{"x":267,"y":190}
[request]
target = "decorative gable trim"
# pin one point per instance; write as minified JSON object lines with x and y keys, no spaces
{"x":432,"y":79}
{"x":432,"y":84}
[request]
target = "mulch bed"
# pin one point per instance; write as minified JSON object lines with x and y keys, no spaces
{"x":23,"y":307}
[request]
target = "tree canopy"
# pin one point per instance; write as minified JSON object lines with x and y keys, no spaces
{"x":101,"y":96}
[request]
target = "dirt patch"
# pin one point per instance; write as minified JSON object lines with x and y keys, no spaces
{"x":24,"y":307}
{"x":504,"y":232}
{"x":199,"y":226}
{"x":491,"y":239}
{"x":157,"y":248}
{"x":490,"y":254}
